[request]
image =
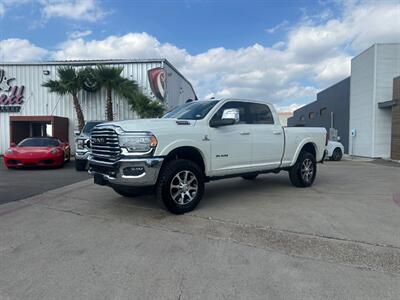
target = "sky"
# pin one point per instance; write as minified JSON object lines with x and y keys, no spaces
{"x":283,"y":52}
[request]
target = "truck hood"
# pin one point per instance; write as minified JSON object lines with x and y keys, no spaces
{"x":153,"y":125}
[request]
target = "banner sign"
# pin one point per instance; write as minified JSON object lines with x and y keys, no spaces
{"x":11,"y":96}
{"x":157,"y":80}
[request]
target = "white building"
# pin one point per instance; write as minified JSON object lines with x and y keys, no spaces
{"x":28,"y":109}
{"x":371,"y":83}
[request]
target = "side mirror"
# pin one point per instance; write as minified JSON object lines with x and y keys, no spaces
{"x":229,"y":117}
{"x":222,"y":122}
{"x":13,"y":145}
{"x":77,"y":132}
{"x":231,"y":113}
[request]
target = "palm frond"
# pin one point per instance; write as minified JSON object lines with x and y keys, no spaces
{"x":144,"y":106}
{"x":55,"y":87}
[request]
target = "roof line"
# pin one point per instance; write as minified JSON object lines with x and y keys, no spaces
{"x":81,"y":62}
{"x":88,"y":62}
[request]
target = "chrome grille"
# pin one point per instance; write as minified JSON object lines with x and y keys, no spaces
{"x":104,"y":144}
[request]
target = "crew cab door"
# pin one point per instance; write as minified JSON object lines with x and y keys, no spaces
{"x":267,"y":138}
{"x":231,"y":148}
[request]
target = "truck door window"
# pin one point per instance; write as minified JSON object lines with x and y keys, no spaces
{"x":260,"y":114}
{"x":243,"y":114}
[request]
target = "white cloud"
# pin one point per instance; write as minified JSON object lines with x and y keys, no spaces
{"x":281,"y":25}
{"x":79,"y":34}
{"x":289,"y":108}
{"x":314,"y":55}
{"x":16,"y":50}
{"x":86,"y":10}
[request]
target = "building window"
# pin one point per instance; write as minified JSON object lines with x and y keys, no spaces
{"x":301,"y":118}
{"x":322,"y":111}
{"x":311,"y":115}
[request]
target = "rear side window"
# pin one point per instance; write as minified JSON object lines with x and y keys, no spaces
{"x":260,"y":114}
{"x":243,"y":111}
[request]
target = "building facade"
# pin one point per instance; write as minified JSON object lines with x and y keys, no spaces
{"x":395,"y":106}
{"x":372,"y":74}
{"x":364,"y":108}
{"x":22,"y":95}
{"x":330,"y":110}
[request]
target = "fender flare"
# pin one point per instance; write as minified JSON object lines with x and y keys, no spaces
{"x":187,"y":143}
{"x":301,"y":146}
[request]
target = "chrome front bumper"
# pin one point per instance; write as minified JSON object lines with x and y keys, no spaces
{"x":129,"y":172}
{"x":82,"y":154}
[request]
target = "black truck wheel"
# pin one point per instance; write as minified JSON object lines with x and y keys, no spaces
{"x":303,"y":173}
{"x":180,"y":186}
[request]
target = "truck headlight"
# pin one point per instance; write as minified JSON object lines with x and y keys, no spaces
{"x":80,"y":144}
{"x":138,"y":142}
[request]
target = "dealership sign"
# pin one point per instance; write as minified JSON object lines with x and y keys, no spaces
{"x":11,"y":96}
{"x":157,"y":80}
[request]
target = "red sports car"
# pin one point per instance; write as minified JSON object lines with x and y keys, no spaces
{"x":39,"y":151}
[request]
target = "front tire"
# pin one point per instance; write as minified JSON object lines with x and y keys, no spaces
{"x":180,"y":186}
{"x":337,"y":154}
{"x":303,"y":173}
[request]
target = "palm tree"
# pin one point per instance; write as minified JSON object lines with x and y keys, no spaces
{"x":110,"y":78}
{"x":70,"y":81}
{"x":145,"y":107}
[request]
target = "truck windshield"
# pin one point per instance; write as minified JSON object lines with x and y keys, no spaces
{"x":89,"y":126}
{"x":192,"y":110}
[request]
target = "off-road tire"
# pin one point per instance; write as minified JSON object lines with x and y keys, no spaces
{"x":297,"y":177}
{"x":80,"y":165}
{"x":167,"y":175}
{"x":250,"y":176}
{"x":337,"y":154}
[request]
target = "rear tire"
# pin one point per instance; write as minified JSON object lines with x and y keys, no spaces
{"x":337,"y":154}
{"x":80,"y":165}
{"x":250,"y":176}
{"x":303,"y":173}
{"x":128,"y":191}
{"x":180,"y":186}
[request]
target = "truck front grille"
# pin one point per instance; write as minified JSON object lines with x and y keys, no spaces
{"x":104,"y":144}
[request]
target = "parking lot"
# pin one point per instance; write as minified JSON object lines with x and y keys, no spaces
{"x":263,"y":239}
{"x":22,"y":183}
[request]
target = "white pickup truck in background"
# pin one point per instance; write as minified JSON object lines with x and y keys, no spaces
{"x":198,"y":142}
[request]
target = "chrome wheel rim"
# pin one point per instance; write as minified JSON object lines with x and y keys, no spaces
{"x":184,"y":187}
{"x":307,"y":170}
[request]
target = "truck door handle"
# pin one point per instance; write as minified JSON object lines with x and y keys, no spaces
{"x":277,"y":132}
{"x":244,"y":133}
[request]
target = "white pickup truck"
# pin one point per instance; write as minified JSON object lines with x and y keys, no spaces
{"x":198,"y":142}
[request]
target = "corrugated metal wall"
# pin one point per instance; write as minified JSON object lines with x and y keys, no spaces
{"x":39,"y":101}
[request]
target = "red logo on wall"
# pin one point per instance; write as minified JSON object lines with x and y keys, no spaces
{"x":157,"y":79}
{"x":11,"y":96}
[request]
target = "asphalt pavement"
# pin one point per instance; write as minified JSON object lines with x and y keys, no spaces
{"x":16,"y":184}
{"x":261,"y":239}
